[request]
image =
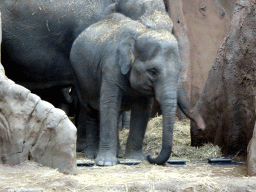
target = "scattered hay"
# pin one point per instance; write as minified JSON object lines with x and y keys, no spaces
{"x":181,"y":141}
{"x":148,"y":174}
{"x":30,"y":176}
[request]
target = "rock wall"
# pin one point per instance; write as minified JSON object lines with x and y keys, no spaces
{"x":200,"y":26}
{"x":228,"y":99}
{"x":208,"y":24}
{"x":32,"y":129}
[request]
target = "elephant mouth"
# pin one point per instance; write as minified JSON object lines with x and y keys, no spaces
{"x":147,"y":92}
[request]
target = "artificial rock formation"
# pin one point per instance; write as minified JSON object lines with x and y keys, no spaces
{"x":200,"y":27}
{"x":227,"y":103}
{"x":208,"y":24}
{"x":32,"y":129}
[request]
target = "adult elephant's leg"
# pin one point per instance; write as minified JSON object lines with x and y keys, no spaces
{"x":120,"y":121}
{"x":140,"y":113}
{"x":126,"y":116}
{"x":80,"y":122}
{"x":88,"y":132}
{"x":65,"y":99}
{"x":110,"y":102}
{"x":119,"y":149}
{"x":119,"y":127}
{"x":92,"y":133}
{"x":124,"y":120}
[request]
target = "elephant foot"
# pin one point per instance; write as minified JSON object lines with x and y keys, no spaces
{"x":135,"y":155}
{"x":91,"y":152}
{"x":120,"y":153}
{"x":106,"y":159}
{"x":126,"y":126}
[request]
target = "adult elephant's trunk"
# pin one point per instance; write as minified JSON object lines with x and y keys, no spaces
{"x":167,"y":98}
{"x":186,"y":108}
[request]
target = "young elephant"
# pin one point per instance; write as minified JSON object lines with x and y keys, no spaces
{"x":152,"y":13}
{"x":119,"y":64}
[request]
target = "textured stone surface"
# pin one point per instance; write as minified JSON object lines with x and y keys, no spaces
{"x":228,"y":99}
{"x":205,"y":28}
{"x":251,"y":155}
{"x":32,"y":129}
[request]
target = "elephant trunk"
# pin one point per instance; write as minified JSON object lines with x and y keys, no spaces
{"x":167,"y":98}
{"x":186,"y":108}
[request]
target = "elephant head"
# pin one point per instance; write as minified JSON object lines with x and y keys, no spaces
{"x":153,"y":64}
{"x":151,"y":13}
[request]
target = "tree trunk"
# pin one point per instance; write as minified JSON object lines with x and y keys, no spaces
{"x":228,"y":99}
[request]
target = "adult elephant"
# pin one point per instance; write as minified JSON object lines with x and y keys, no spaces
{"x":38,"y":35}
{"x":120,"y":64}
{"x":37,"y":38}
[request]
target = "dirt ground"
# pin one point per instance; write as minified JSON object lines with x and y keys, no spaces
{"x":196,"y":175}
{"x":30,"y":176}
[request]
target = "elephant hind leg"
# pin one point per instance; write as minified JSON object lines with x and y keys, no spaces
{"x":119,"y":150}
{"x":89,"y":119}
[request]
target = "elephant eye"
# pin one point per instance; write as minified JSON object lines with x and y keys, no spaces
{"x":152,"y":73}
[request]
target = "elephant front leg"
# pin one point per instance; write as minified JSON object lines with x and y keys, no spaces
{"x":110,"y":100}
{"x":139,"y":118}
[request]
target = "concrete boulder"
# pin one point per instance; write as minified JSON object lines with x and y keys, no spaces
{"x":32,"y":129}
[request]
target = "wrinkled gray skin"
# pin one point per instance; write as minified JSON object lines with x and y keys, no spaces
{"x":152,"y":13}
{"x":38,"y":35}
{"x":119,"y":64}
{"x":37,"y":38}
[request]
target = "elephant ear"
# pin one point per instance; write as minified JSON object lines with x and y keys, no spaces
{"x":126,"y":54}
